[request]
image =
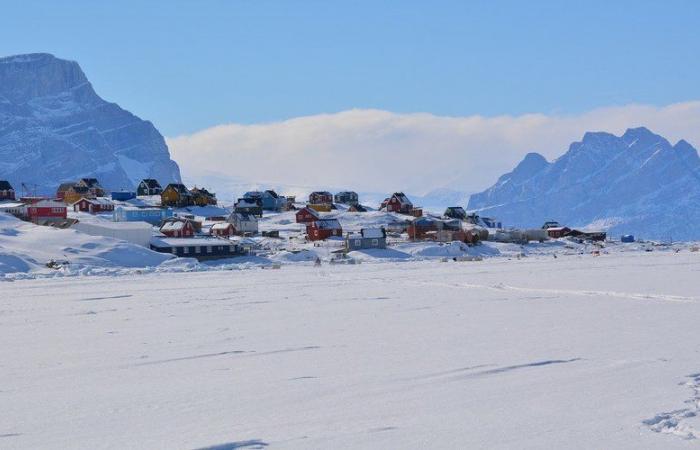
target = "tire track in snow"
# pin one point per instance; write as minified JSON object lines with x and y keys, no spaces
{"x":583,"y":292}
{"x":676,"y":422}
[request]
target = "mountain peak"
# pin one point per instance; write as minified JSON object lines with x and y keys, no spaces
{"x":55,"y":128}
{"x":24,"y":77}
{"x":638,"y":179}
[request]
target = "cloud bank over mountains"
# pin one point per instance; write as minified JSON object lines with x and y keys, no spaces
{"x":375,"y":150}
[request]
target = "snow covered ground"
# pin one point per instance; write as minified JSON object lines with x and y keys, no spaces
{"x":539,"y":352}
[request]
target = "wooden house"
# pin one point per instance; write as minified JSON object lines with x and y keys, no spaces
{"x":346,"y":198}
{"x":321,"y":198}
{"x":201,"y":248}
{"x":367,"y":238}
{"x":399,"y":203}
{"x":47,"y":210}
{"x":455,"y":212}
{"x":93,"y":205}
{"x":149,"y":186}
{"x":176,"y":195}
{"x":307,"y":215}
{"x":176,"y":227}
{"x":76,"y":192}
{"x":243,"y":223}
{"x":223,"y":229}
{"x":93,"y":185}
{"x":323,"y":229}
{"x":250,"y":206}
{"x":62,"y":189}
{"x":202,"y":197}
{"x":7,"y":192}
{"x":269,"y":199}
{"x":558,"y":232}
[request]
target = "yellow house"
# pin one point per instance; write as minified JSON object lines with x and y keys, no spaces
{"x":320,"y":207}
{"x":176,"y":194}
{"x":75,"y":193}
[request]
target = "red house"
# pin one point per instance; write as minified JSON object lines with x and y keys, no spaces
{"x":399,"y":203}
{"x":307,"y":215}
{"x":323,"y":229}
{"x":93,"y":205}
{"x":178,"y":228}
{"x":558,"y":232}
{"x":321,"y":198}
{"x":47,"y":210}
{"x":222,"y":229}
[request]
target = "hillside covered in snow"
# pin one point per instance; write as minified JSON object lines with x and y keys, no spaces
{"x":635,"y":183}
{"x":55,"y":128}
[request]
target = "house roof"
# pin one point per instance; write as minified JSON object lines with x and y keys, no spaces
{"x":179,"y":188}
{"x":48,"y":204}
{"x":79,"y":189}
{"x":5,"y":186}
{"x":242,"y":217}
{"x":272,"y":193}
{"x":401,"y":197}
{"x":221,"y":226}
{"x":97,"y":201}
{"x":247,"y":203}
{"x":173,"y":226}
{"x":325,"y":193}
{"x":373,"y":233}
{"x":90,"y":182}
{"x":327,"y":224}
{"x":311,"y":211}
{"x":150,"y":182}
{"x":63,"y":187}
{"x":189,"y":242}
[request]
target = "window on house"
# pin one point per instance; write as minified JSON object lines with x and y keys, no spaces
{"x":209,"y":249}
{"x":358,"y":243}
{"x":375,"y":242}
{"x":198,"y":249}
{"x":186,"y":250}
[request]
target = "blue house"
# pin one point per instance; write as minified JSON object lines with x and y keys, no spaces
{"x":270,"y":200}
{"x":135,"y":214}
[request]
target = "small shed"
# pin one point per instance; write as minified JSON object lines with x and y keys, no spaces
{"x":627,"y":238}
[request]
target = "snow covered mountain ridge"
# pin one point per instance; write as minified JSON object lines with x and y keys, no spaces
{"x":55,"y":128}
{"x":635,"y":183}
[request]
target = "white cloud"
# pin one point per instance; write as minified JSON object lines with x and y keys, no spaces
{"x":373,"y":150}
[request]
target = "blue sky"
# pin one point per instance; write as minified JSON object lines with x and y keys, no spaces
{"x":189,"y":65}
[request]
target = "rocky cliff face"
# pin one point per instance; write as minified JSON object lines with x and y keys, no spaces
{"x":636,"y":183}
{"x":55,"y":128}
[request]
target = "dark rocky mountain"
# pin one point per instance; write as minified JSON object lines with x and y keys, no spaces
{"x":55,"y":128}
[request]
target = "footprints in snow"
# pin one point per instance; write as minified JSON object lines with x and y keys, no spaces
{"x":676,"y":422}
